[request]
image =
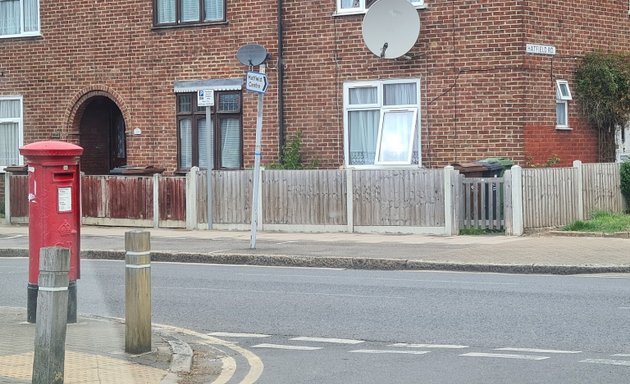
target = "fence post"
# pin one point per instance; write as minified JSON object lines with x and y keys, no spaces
{"x":192,"y":179}
{"x":507,"y":202}
{"x":577,"y":165}
{"x":261,"y":224}
{"x":137,"y":292}
{"x":449,"y":209}
{"x":156,"y":200}
{"x":350,"y":199}
{"x":52,"y":314}
{"x":517,"y":201}
{"x":7,"y":197}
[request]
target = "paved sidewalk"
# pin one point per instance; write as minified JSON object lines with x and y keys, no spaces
{"x":94,"y":352}
{"x":542,"y":253}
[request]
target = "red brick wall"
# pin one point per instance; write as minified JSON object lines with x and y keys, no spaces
{"x":480,"y":94}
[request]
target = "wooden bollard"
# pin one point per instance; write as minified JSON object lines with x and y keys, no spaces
{"x":52,"y":315}
{"x":137,"y":292}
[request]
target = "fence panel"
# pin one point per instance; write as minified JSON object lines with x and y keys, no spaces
{"x":117,"y":197}
{"x":19,"y":196}
{"x":413,"y":197}
{"x":602,"y":188}
{"x":232,"y":197}
{"x":306,"y":197}
{"x":549,"y":197}
{"x":172,"y":198}
{"x":482,"y":202}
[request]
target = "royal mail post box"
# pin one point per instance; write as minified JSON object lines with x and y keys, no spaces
{"x":54,"y":209}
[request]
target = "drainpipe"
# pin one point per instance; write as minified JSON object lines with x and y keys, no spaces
{"x":281,"y":133}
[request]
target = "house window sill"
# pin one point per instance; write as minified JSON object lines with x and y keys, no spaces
{"x":563,"y":128}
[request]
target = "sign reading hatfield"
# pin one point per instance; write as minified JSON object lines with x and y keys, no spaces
{"x":539,"y":49}
{"x":256,"y":82}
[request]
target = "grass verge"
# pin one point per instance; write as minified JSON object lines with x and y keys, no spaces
{"x":601,"y":222}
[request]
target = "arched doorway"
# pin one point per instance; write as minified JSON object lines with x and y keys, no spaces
{"x":102,"y":136}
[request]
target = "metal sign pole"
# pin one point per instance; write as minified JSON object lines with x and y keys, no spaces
{"x":210,"y":157}
{"x":257,"y":156}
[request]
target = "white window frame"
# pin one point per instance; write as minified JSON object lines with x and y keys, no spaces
{"x":415,"y":134}
{"x":563,"y":96}
{"x":22,"y":33}
{"x":361,"y":7}
{"x":381,"y":135}
{"x":19,"y":120}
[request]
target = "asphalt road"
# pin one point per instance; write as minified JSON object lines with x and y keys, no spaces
{"x":353,"y":326}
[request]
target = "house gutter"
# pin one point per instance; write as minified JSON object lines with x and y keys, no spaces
{"x":281,"y":128}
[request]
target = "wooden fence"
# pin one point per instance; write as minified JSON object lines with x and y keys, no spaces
{"x":431,"y":201}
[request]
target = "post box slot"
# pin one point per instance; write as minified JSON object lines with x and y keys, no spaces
{"x":66,"y":176}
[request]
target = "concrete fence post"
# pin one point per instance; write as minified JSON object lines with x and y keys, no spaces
{"x":137,"y":292}
{"x":579,"y":182}
{"x":449,"y":207}
{"x":7,"y":198}
{"x":156,"y":200}
{"x":350,"y":199}
{"x":52,"y":313}
{"x":517,"y":201}
{"x":192,"y":179}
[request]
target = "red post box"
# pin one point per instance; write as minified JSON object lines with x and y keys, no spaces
{"x":54,"y":211}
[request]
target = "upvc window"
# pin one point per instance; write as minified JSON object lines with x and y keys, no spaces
{"x":176,"y":12}
{"x":361,"y":6}
{"x":380,"y":120}
{"x":192,"y":131}
{"x":19,"y":18}
{"x":11,"y":131}
{"x":563,"y":96}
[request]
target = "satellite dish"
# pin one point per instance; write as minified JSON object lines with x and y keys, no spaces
{"x":391,"y":28}
{"x":251,"y":54}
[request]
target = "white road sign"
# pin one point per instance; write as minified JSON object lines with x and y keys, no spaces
{"x":256,"y":82}
{"x":205,"y":98}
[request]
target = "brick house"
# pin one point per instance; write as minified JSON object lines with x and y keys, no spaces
{"x":485,"y":78}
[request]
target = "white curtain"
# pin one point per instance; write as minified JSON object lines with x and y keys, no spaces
{"x":214,"y":10}
{"x":349,"y":4}
{"x":31,"y":12}
{"x":185,"y":143}
{"x":10,"y":17}
{"x":231,"y":143}
{"x":396,"y":136}
{"x":9,"y":143}
{"x":363,"y":126}
{"x":202,"y":144}
{"x":190,"y":10}
{"x":165,"y":11}
{"x":400,"y":94}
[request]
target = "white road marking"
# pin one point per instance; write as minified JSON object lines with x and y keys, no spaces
{"x":244,"y":335}
{"x":328,"y":340}
{"x":505,"y":356}
{"x":390,"y":351}
{"x":12,"y":237}
{"x":622,"y":355}
{"x":534,"y":350}
{"x":290,"y":347}
{"x":608,"y":362}
{"x":437,"y":346}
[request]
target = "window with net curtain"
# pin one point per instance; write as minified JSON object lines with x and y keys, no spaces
{"x":10,"y":131}
{"x":381,"y":122}
{"x":188,"y":11}
{"x":19,"y":17}
{"x":362,"y":5}
{"x":193,"y":131}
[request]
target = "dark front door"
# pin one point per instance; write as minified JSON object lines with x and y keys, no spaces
{"x":102,"y":136}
